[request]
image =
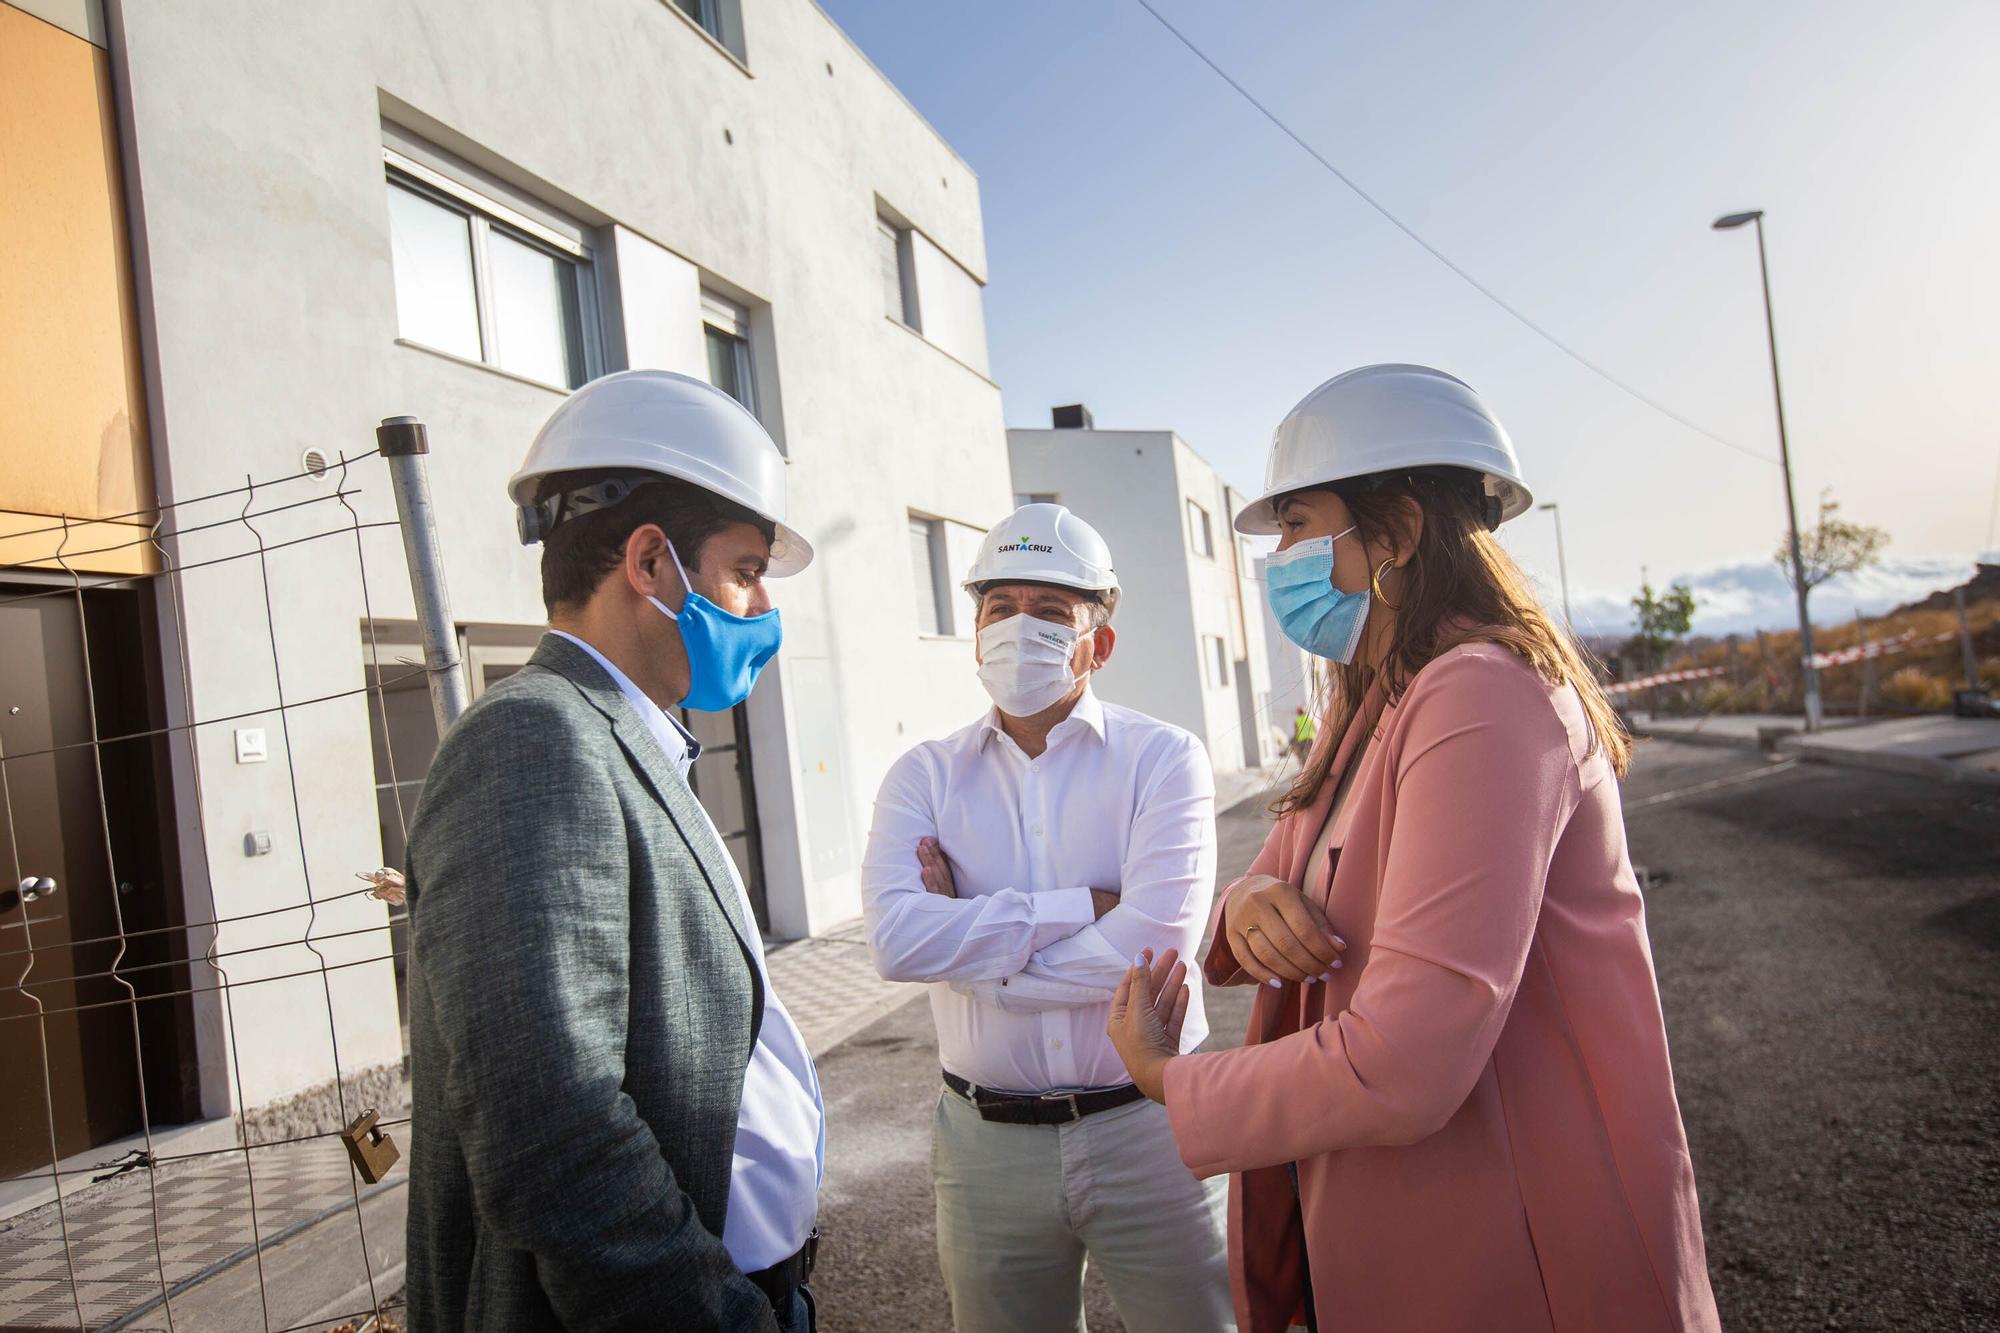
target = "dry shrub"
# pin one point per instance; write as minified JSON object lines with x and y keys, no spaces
{"x":1913,"y":687}
{"x":1716,"y":697}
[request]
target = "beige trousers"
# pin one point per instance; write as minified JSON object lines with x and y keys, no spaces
{"x":1020,"y":1208}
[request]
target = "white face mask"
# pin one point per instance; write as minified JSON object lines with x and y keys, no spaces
{"x":1024,"y":663}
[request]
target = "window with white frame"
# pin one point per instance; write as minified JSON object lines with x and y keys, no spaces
{"x":928,"y":569}
{"x":720,"y":19}
{"x":726,"y":329}
{"x":1200,"y":536}
{"x":1217,"y":654}
{"x":481,"y":279}
{"x":1034,"y":498}
{"x":899,"y":272}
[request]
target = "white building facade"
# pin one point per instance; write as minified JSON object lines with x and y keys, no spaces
{"x":460,"y":211}
{"x":1191,"y":644}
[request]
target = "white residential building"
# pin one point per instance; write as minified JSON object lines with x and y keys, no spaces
{"x":1191,"y":648}
{"x":458,"y":211}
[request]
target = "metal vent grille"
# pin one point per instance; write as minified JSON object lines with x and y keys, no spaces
{"x":314,"y":464}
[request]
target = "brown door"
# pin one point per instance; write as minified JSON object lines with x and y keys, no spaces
{"x":107,"y":1024}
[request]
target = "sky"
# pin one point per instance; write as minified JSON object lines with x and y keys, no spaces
{"x":1158,"y":250}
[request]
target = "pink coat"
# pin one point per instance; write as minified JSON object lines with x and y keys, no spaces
{"x":1480,"y":1103}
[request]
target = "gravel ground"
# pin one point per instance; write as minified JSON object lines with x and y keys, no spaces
{"x":1828,"y":943}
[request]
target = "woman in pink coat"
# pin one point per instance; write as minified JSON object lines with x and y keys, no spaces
{"x":1454,"y":1108}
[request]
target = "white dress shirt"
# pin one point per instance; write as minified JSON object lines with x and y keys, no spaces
{"x":781,"y":1124}
{"x":1023,"y":975}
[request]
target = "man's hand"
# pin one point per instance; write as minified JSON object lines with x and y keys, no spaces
{"x":1278,"y":934}
{"x":936,"y":869}
{"x":1147,"y":1014}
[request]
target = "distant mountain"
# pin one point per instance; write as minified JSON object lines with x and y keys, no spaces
{"x":1737,"y":599}
{"x":1985,"y":586}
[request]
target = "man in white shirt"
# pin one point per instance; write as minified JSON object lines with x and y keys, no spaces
{"x":1019,"y":865}
{"x":616,"y":1124}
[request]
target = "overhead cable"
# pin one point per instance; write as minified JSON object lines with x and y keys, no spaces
{"x":1441,"y":256}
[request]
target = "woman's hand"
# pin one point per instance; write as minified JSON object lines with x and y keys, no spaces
{"x":1277,"y":933}
{"x":1146,"y":1016}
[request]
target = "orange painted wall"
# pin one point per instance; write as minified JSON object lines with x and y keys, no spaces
{"x":72,"y":405}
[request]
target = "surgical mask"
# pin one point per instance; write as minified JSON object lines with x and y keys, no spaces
{"x":724,"y":652}
{"x":1024,"y":663}
{"x":1314,"y":614}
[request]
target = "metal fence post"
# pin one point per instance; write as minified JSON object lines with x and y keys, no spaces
{"x":1965,"y":640}
{"x":404,"y":443}
{"x":1867,"y":663}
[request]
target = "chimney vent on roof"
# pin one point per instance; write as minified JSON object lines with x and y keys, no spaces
{"x":1074,"y":417}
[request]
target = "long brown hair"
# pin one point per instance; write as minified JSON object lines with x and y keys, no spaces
{"x":1459,"y":586}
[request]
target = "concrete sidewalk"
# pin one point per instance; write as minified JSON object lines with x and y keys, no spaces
{"x":830,"y":987}
{"x":1954,"y":749}
{"x":189,"y":1231}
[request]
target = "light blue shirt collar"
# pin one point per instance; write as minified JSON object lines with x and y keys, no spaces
{"x":681,"y":748}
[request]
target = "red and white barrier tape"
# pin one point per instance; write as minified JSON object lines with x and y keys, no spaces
{"x":1902,"y":643}
{"x":1663,"y":678}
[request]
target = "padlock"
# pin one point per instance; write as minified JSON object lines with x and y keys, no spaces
{"x":371,"y":1151}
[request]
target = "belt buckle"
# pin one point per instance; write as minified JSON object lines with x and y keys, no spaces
{"x":809,"y":1256}
{"x":1075,"y":1114}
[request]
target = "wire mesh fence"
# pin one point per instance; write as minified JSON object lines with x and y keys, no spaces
{"x":141,"y":991}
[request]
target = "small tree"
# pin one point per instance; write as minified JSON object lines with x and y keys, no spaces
{"x":1832,"y":548}
{"x":1664,"y":620}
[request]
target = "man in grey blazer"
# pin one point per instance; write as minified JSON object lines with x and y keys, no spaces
{"x":616,"y":1123}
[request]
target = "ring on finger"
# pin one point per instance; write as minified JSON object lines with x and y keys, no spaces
{"x":1250,"y":930}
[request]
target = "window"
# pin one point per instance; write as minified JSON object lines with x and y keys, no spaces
{"x":899,"y":273}
{"x":726,"y":328}
{"x":927,"y":567}
{"x":1216,"y":654}
{"x":1200,"y":537}
{"x":402,"y":732}
{"x":1034,"y":498}
{"x":720,"y":19}
{"x":481,"y":280}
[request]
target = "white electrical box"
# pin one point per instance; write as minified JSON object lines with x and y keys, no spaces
{"x":250,"y":747}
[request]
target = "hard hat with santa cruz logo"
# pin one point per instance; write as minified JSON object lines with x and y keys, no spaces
{"x":1045,"y":543}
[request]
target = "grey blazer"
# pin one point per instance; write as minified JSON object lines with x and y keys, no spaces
{"x":583,"y":1004}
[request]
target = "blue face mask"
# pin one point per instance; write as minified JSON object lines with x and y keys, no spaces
{"x":1314,"y":614}
{"x":724,"y":652}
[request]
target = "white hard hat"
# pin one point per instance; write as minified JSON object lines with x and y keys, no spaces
{"x":1387,"y":418}
{"x":1045,"y":543}
{"x":657,"y":422}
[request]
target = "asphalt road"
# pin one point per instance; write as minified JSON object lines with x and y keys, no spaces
{"x":1828,"y":945}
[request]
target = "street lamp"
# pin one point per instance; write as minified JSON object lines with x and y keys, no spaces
{"x":1729,"y":223}
{"x":1562,"y":564}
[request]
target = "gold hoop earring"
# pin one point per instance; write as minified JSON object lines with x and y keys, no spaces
{"x":1375,"y":582}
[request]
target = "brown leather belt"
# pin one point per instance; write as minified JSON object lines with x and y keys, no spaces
{"x":1046,"y":1108}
